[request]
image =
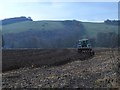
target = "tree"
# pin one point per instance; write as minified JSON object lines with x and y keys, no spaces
{"x":93,"y":42}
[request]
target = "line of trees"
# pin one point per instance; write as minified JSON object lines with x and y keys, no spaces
{"x":15,"y":20}
{"x":108,"y":40}
{"x":112,"y":22}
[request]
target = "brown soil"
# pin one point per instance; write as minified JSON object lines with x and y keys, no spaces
{"x":102,"y":70}
{"x":17,"y":58}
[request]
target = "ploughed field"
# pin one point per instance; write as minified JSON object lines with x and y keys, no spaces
{"x":58,"y":68}
{"x":17,"y":58}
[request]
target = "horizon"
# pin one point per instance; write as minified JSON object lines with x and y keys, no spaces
{"x":91,"y":11}
{"x":60,"y":19}
{"x":52,"y":20}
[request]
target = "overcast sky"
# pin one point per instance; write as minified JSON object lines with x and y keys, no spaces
{"x":87,"y":11}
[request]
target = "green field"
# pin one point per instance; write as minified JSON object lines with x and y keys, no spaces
{"x":91,"y":28}
{"x":94,"y":28}
{"x":34,"y":25}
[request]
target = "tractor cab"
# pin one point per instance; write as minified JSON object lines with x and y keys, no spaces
{"x":84,"y":46}
{"x":84,"y":43}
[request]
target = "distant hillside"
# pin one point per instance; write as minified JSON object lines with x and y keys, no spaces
{"x":91,"y":28}
{"x":43,"y":34}
{"x":56,"y":34}
{"x":94,"y":28}
{"x":15,"y":20}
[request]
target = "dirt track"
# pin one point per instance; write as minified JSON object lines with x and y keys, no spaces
{"x":98,"y":71}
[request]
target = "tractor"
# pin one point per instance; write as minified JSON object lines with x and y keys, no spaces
{"x":84,"y":46}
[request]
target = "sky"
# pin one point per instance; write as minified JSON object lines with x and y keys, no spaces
{"x":83,"y":11}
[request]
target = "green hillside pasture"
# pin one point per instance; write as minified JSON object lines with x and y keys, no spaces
{"x":28,"y":25}
{"x":91,"y":28}
{"x":94,"y":28}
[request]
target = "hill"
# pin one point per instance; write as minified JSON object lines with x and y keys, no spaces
{"x":54,"y":34}
{"x":43,"y":34}
{"x":92,"y":28}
